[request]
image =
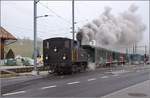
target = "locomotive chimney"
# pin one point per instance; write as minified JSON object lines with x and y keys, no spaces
{"x":79,"y":38}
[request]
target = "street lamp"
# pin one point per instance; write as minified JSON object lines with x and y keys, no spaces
{"x":73,"y":22}
{"x":35,"y":70}
{"x":149,"y":45}
{"x":43,"y":16}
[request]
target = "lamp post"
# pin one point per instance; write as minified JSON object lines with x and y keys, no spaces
{"x":149,"y":45}
{"x":43,"y":16}
{"x":35,"y":70}
{"x":73,"y":21}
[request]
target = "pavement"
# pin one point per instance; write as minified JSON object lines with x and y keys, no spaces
{"x":141,"y":90}
{"x":97,"y":83}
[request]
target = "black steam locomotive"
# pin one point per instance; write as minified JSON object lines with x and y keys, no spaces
{"x":63,"y":55}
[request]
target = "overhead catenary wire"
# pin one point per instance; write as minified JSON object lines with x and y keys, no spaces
{"x":55,"y":13}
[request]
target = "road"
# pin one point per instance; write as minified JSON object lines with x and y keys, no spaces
{"x":87,"y":84}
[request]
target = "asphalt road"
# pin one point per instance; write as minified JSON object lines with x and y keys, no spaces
{"x":88,"y":84}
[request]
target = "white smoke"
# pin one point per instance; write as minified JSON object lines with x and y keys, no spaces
{"x":109,"y":30}
{"x":91,"y":66}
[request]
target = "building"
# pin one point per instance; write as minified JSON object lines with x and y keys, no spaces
{"x":5,"y":39}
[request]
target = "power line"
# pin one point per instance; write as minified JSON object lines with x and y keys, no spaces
{"x":55,"y":13}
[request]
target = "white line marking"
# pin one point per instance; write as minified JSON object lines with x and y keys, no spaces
{"x":92,"y":79}
{"x":48,"y":87}
{"x":73,"y":82}
{"x":19,"y":92}
{"x":105,"y":77}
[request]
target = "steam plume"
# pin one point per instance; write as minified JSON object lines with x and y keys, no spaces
{"x":91,"y":66}
{"x":109,"y":30}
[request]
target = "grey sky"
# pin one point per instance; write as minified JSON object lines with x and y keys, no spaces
{"x":17,"y":16}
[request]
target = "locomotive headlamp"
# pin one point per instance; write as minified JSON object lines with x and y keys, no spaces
{"x":46,"y":57}
{"x":55,"y":49}
{"x":64,"y":57}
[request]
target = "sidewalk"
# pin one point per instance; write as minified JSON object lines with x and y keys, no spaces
{"x":141,"y":90}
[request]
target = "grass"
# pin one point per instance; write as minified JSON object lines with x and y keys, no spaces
{"x":23,"y":47}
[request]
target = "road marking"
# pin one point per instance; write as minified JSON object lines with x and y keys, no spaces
{"x":19,"y":92}
{"x":48,"y":87}
{"x":73,"y":82}
{"x":92,"y":79}
{"x":104,"y":77}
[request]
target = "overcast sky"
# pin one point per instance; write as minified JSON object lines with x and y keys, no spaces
{"x":17,"y":16}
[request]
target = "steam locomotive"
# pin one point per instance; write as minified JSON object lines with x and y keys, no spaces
{"x":63,"y":55}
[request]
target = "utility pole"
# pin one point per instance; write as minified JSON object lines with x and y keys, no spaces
{"x":73,"y":50}
{"x":73,"y":21}
{"x":149,"y":45}
{"x":35,"y":71}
